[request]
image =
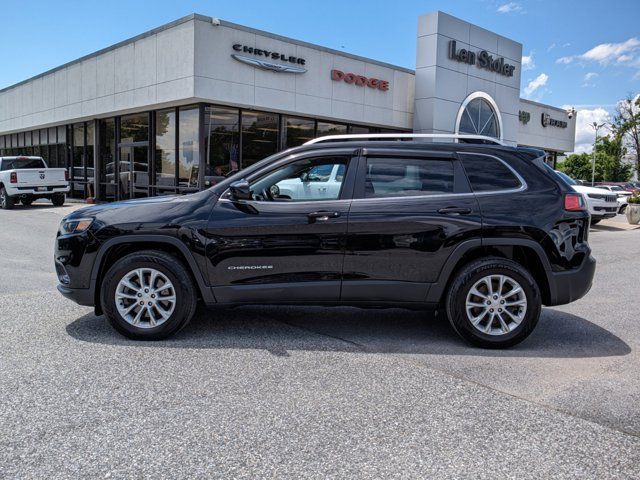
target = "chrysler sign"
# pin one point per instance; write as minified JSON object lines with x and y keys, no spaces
{"x":295,"y":63}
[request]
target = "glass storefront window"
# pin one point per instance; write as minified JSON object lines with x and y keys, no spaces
{"x":43,"y":137}
{"x":134,"y":128}
{"x":77,"y":170}
{"x":21,"y":139}
{"x":52,"y":136}
{"x":298,"y":131}
{"x":165,"y":154}
{"x":188,"y":147}
{"x":222,"y":142}
{"x":27,"y":139}
{"x":107,"y":159}
{"x":62,"y":134}
{"x":259,"y":136}
{"x":88,"y":153}
{"x":326,"y":128}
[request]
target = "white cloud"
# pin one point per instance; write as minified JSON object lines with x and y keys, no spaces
{"x":527,"y":62}
{"x":551,"y":47}
{"x":510,"y":7}
{"x":535,"y":84}
{"x":605,"y":53}
{"x":587,"y":80}
{"x":585,"y":134}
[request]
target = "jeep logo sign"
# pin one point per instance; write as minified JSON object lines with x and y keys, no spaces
{"x":482,"y":60}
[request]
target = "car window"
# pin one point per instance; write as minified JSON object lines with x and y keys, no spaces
{"x":406,"y":177}
{"x":307,"y":179}
{"x":487,"y":174}
{"x":19,"y":163}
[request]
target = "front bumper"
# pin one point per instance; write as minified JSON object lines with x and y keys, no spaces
{"x":567,"y":287}
{"x":82,"y":296}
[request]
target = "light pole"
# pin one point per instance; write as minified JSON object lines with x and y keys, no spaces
{"x":596,"y":127}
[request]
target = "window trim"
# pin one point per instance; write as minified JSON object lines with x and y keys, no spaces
{"x":523,"y":184}
{"x":492,"y":103}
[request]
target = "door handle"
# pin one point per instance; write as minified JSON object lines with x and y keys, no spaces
{"x":322,"y":216}
{"x":455,"y":211}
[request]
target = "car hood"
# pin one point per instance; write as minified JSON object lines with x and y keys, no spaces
{"x":583,"y":189}
{"x":152,"y":210}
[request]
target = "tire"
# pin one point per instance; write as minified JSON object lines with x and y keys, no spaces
{"x":622,"y":209}
{"x":595,"y":220}
{"x":168,"y":267}
{"x":472,"y":275}
{"x":27,"y":201}
{"x":58,"y":199}
{"x":6,"y":202}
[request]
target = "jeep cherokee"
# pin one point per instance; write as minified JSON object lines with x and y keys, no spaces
{"x":485,"y":233}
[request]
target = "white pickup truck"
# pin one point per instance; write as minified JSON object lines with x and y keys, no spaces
{"x":25,"y":179}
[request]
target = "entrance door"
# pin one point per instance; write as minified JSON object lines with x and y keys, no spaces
{"x":287,"y":242}
{"x":134,"y":170}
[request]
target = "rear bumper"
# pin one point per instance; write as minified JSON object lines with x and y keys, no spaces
{"x":567,"y":287}
{"x":82,"y":296}
{"x":32,"y":191}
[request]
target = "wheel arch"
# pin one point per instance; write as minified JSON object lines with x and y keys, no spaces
{"x":116,"y":248}
{"x":527,"y":253}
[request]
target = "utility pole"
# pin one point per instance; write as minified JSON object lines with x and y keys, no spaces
{"x":596,"y":127}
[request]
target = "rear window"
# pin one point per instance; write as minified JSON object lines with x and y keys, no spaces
{"x":19,"y":163}
{"x":406,"y":177}
{"x":488,"y":174}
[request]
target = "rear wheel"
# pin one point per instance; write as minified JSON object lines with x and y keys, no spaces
{"x":6,"y":202}
{"x":58,"y":199}
{"x":493,"y":303}
{"x":148,"y":295}
{"x":595,"y":220}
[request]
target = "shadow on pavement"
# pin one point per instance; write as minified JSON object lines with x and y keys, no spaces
{"x":282,"y":329}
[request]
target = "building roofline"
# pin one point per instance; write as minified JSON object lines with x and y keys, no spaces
{"x":204,"y":18}
{"x":559,"y":109}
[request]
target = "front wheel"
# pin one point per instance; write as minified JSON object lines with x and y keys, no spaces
{"x":6,"y":202}
{"x":493,"y":303}
{"x":148,"y":295}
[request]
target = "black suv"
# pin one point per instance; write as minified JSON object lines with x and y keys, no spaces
{"x":487,"y":233}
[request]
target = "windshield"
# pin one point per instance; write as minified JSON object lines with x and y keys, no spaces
{"x":616,"y":188}
{"x":20,"y":163}
{"x":566,"y":178}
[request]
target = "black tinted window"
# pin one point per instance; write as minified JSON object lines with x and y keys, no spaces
{"x":398,"y":177}
{"x":18,"y":163}
{"x":488,"y":174}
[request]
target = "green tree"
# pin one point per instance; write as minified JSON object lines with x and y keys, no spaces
{"x":609,"y":165}
{"x":626,"y":126}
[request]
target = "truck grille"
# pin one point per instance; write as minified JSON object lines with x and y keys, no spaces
{"x":603,"y":196}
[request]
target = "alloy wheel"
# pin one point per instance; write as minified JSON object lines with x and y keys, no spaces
{"x":496,"y":305}
{"x":145,"y":298}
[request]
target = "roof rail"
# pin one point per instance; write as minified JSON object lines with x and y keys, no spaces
{"x":399,"y":136}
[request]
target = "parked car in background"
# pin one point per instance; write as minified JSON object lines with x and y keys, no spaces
{"x":601,"y":204}
{"x":25,"y":179}
{"x":622,"y":194}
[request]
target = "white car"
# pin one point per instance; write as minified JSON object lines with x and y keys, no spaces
{"x":26,"y":179}
{"x":321,"y":182}
{"x":623,"y":195}
{"x":601,"y":204}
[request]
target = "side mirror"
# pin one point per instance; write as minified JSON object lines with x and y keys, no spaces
{"x":240,"y":190}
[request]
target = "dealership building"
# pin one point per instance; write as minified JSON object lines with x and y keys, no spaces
{"x":173,"y":108}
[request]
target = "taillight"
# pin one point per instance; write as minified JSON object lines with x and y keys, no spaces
{"x":13,"y":178}
{"x":573,"y":202}
{"x":66,"y":175}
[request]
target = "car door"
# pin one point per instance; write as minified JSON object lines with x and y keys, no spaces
{"x":411,"y":208}
{"x":281,"y":249}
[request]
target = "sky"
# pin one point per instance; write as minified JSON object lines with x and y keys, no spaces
{"x":581,"y":53}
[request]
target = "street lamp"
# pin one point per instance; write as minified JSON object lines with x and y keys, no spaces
{"x":596,"y":127}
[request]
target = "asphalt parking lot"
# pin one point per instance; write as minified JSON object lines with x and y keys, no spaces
{"x":287,"y":392}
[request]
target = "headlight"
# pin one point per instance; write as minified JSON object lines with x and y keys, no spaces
{"x":77,"y":225}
